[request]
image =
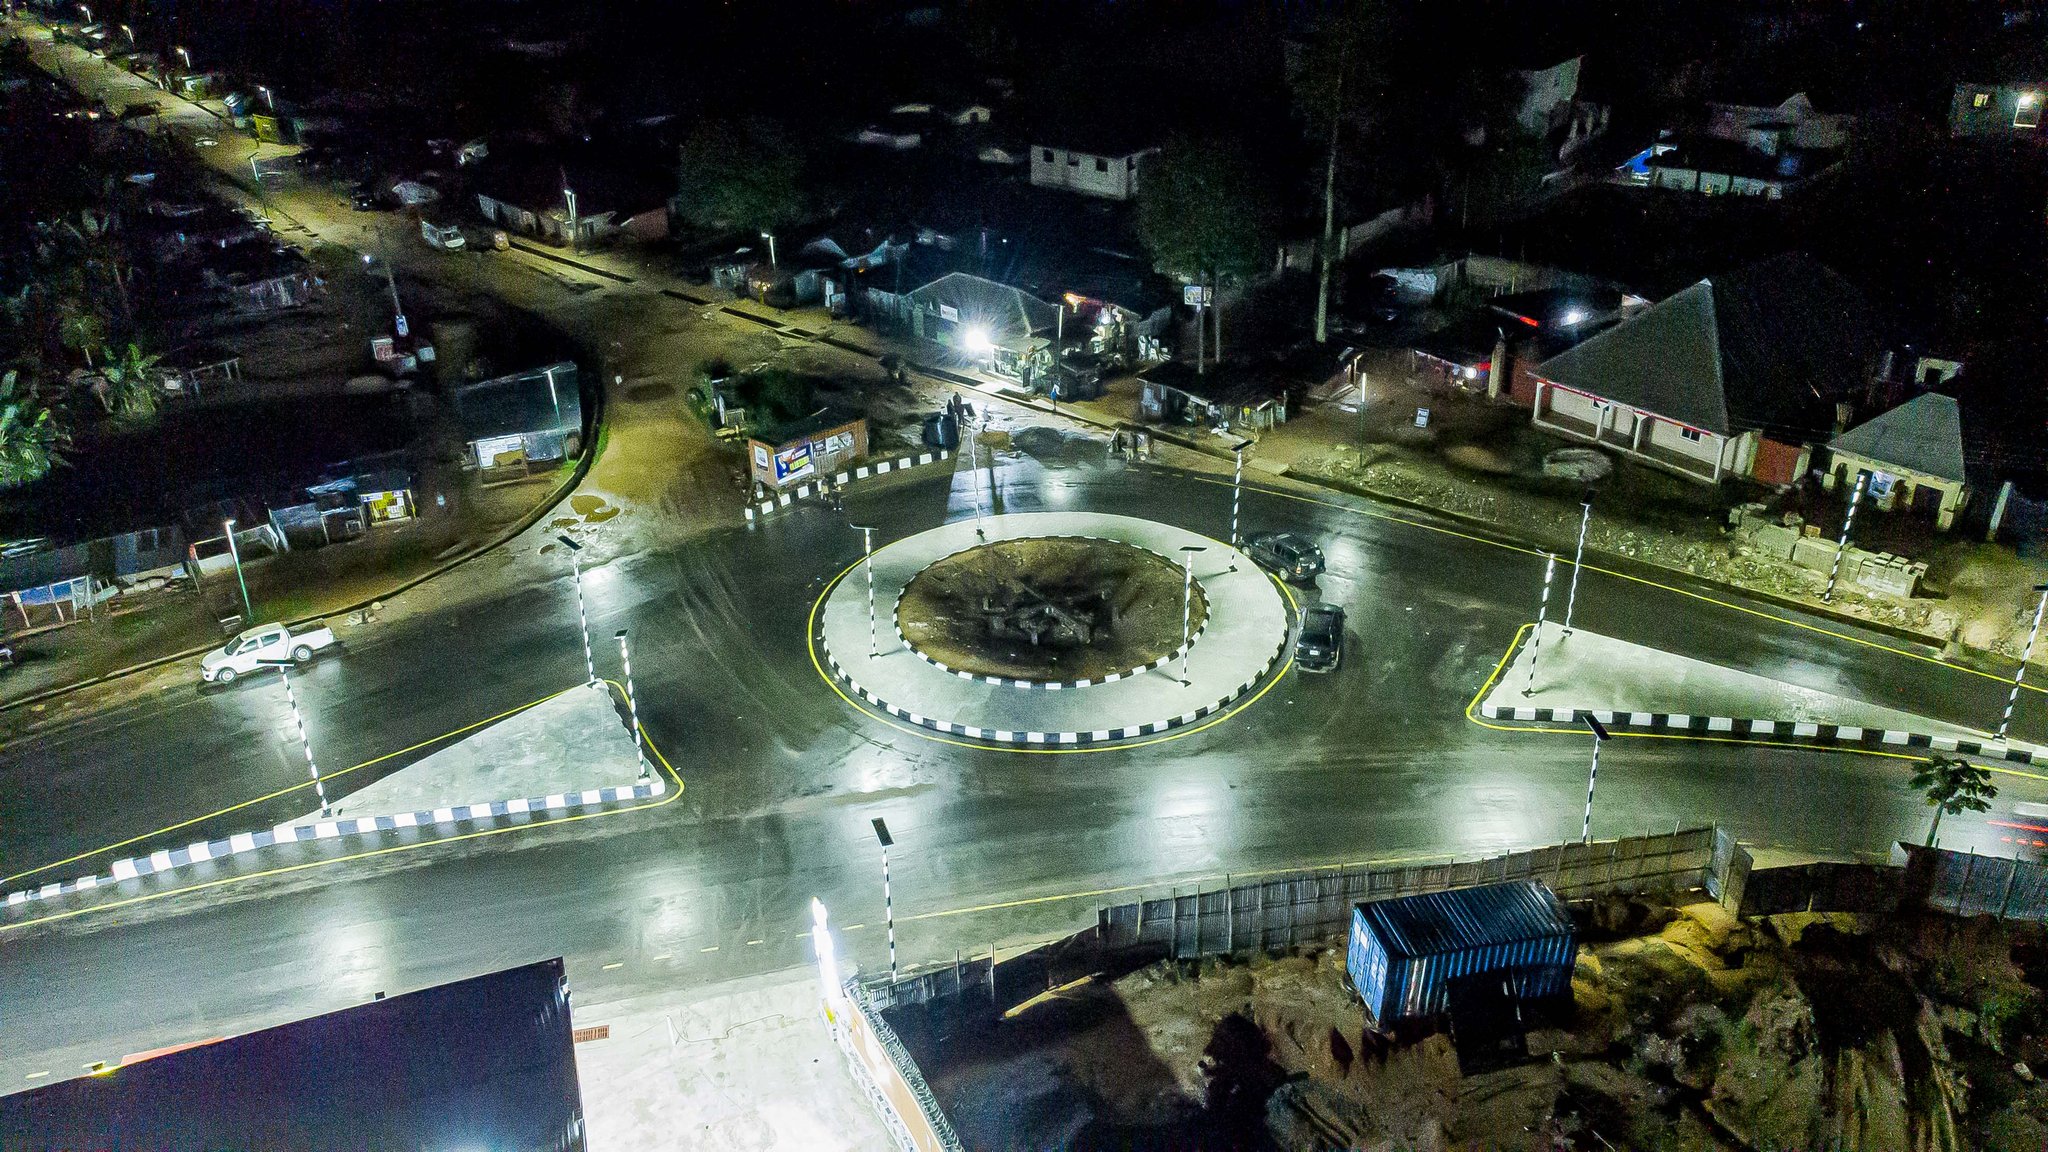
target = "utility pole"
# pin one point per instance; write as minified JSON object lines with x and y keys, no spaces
{"x":1236,"y":488}
{"x":2026,"y":654}
{"x":1842,"y":545}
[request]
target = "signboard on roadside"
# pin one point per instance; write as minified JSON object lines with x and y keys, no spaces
{"x":793,"y":463}
{"x":1197,"y":295}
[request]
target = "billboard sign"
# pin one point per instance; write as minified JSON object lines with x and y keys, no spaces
{"x":793,"y":463}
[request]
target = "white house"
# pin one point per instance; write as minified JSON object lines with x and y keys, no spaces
{"x":1547,"y":97}
{"x":1109,"y":170}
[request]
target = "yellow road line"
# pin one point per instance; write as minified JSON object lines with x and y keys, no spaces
{"x":668,"y":797}
{"x":1471,"y":714}
{"x":1645,"y":581}
{"x":811,"y":631}
{"x":302,"y":785}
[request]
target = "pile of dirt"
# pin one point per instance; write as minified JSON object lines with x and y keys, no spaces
{"x":1688,"y":1031}
{"x":1127,"y":601}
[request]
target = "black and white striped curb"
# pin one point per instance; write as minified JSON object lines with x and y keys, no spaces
{"x":170,"y":859}
{"x":1031,"y":738}
{"x":1738,"y":728}
{"x":896,"y":619}
{"x":762,"y":508}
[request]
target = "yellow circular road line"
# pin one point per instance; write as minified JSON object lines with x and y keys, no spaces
{"x":810,"y":645}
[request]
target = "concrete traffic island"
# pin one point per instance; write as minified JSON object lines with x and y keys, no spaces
{"x":1627,"y":685}
{"x":1243,"y":635}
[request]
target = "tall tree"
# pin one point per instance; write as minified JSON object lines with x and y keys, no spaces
{"x":1207,"y":213}
{"x":1952,"y":785}
{"x":128,"y":385}
{"x":745,"y":174}
{"x":32,"y":438}
{"x":1340,"y":80}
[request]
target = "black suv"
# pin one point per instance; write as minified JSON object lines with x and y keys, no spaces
{"x":1320,"y":647}
{"x":1294,"y":558}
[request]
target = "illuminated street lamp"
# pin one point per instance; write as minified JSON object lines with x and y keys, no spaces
{"x":770,"y":238}
{"x":582,"y":616}
{"x":185,"y":56}
{"x":87,"y":11}
{"x":888,"y":901}
{"x":632,"y":701}
{"x":1187,"y":604}
{"x":248,"y":613}
{"x":398,"y":310}
{"x":269,"y":99}
{"x":128,"y":32}
{"x":1599,"y":738}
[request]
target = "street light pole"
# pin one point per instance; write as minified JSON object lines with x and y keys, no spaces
{"x":391,"y":282}
{"x":582,"y":616}
{"x":1542,"y":610}
{"x":1572,"y":597}
{"x":248,"y":611}
{"x":575,"y":232}
{"x":1236,"y":488}
{"x":867,"y":543}
{"x":1187,"y":603}
{"x":2027,"y":653}
{"x":1592,"y":778}
{"x":974,"y":468}
{"x":888,"y":900}
{"x":1842,"y":545}
{"x":632,"y":701}
{"x":770,"y":238}
{"x":284,"y":675}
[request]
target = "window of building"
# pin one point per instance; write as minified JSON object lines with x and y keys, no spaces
{"x":1692,"y":434}
{"x":1045,"y":154}
{"x":1980,"y":100}
{"x":1101,"y":165}
{"x":2027,"y":113}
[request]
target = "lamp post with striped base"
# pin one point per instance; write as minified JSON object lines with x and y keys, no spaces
{"x":1237,"y":488}
{"x":1187,"y":603}
{"x":2033,"y":633}
{"x":1592,"y":778}
{"x":888,"y":902}
{"x":632,"y":701}
{"x":1542,"y":611}
{"x":582,"y":614}
{"x":283,"y":666}
{"x":1842,"y":544}
{"x":1571,"y":598}
{"x":867,"y":544}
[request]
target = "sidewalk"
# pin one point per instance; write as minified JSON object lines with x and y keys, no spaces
{"x":746,"y":1066}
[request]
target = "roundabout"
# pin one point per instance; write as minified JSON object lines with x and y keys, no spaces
{"x":1052,"y":628}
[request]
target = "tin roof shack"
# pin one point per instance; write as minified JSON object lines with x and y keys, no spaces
{"x":515,"y":422}
{"x":1241,"y":397}
{"x":487,"y":1062}
{"x":55,"y":586}
{"x":260,"y":278}
{"x":818,"y":445}
{"x":1408,"y":956}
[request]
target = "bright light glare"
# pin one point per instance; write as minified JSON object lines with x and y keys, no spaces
{"x":977,"y":340}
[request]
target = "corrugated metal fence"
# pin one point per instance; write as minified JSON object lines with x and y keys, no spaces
{"x":1279,"y":912}
{"x":1971,"y":885}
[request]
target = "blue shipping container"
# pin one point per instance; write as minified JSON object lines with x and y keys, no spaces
{"x":1404,"y":953}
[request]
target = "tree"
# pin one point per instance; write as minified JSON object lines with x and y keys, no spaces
{"x":1206,"y":212}
{"x":1953,"y":784}
{"x":744,"y":174}
{"x":32,"y":439}
{"x":1340,"y":76}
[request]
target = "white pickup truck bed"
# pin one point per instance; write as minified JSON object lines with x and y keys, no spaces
{"x":262,"y":647}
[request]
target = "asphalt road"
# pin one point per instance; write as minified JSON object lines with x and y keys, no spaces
{"x":1374,"y":762}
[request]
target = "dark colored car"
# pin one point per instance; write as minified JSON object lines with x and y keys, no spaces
{"x":1320,"y":648}
{"x":1294,"y":558}
{"x":363,"y":198}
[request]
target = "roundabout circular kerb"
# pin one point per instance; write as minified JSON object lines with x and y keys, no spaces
{"x":1244,"y":635}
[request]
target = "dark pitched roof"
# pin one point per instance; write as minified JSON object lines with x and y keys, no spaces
{"x":603,"y":181}
{"x":486,"y":1062}
{"x":1925,"y":435}
{"x":521,"y":403}
{"x":1770,"y":347}
{"x":1466,"y":919}
{"x":1001,"y":307}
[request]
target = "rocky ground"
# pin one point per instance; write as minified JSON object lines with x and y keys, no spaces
{"x":1688,"y":1031}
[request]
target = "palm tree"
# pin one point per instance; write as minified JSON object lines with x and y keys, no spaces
{"x":1953,"y":784}
{"x":128,"y":385}
{"x":32,"y":439}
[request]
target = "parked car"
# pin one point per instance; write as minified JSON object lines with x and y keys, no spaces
{"x":1320,"y":647}
{"x":363,"y":198}
{"x":251,"y":649}
{"x":1294,"y":557}
{"x":446,"y":237}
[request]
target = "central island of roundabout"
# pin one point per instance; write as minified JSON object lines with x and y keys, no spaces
{"x":1053,"y":628}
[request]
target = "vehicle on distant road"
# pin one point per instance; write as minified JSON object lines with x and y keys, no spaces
{"x":446,"y":237}
{"x":256,"y":647}
{"x":1320,"y":647}
{"x":364,"y":198}
{"x":1295,"y":558}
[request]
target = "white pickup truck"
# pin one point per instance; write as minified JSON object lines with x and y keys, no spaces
{"x":250,"y":650}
